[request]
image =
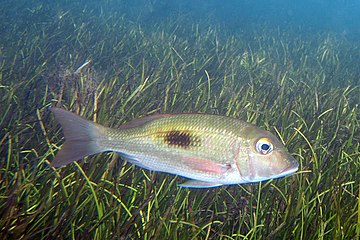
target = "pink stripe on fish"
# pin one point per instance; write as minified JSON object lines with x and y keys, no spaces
{"x":205,"y":165}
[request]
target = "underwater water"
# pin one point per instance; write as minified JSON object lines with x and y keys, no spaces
{"x":289,"y":67}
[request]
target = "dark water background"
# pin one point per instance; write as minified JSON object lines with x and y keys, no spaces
{"x":311,"y":16}
{"x":305,"y":20}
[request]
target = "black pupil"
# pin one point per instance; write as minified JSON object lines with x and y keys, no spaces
{"x":265,"y":147}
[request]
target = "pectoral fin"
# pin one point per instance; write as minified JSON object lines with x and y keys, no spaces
{"x":205,"y":165}
{"x":199,"y":184}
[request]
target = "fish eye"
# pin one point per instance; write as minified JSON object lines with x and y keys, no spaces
{"x":264,"y":146}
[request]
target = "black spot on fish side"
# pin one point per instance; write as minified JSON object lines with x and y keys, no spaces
{"x":180,"y":139}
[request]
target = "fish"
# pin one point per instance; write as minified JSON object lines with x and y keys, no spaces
{"x":209,"y":150}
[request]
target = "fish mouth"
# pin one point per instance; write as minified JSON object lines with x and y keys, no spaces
{"x":292,"y":167}
{"x":285,"y":172}
{"x":288,"y":170}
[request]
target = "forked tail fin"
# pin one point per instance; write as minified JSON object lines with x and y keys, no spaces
{"x":82,"y":137}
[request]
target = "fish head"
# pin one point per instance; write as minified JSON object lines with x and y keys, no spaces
{"x":267,"y":158}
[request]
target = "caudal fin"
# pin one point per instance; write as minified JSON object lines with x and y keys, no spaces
{"x":81,"y":137}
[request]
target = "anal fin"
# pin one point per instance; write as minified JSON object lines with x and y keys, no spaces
{"x":199,"y":184}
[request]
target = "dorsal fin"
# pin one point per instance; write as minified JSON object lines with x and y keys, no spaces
{"x":142,"y":121}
